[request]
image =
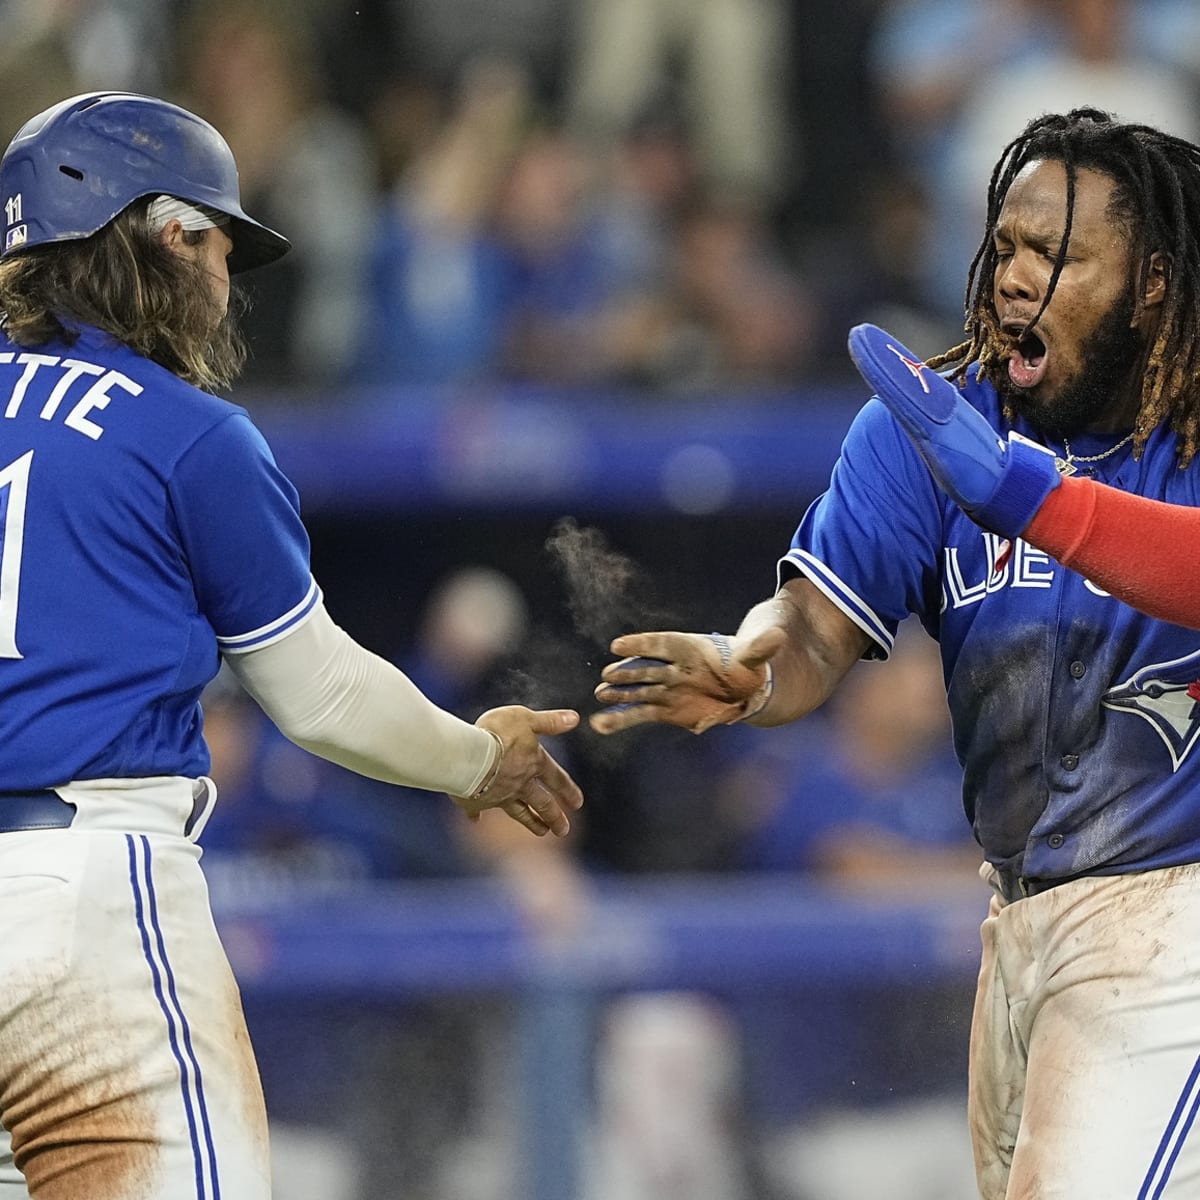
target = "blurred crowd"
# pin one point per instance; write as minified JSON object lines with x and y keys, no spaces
{"x":664,"y":194}
{"x":672,"y":197}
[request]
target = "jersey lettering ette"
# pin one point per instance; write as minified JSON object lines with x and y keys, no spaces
{"x":1075,"y":717}
{"x":144,"y":527}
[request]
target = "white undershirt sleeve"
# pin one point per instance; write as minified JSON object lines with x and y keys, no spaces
{"x":335,"y":698}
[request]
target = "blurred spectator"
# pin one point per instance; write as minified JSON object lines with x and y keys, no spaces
{"x":874,"y":809}
{"x":57,"y":48}
{"x":251,"y":69}
{"x":440,"y":285}
{"x":641,"y":190}
{"x":748,"y":318}
{"x":474,"y":622}
{"x":926,"y":57}
{"x":443,"y":39}
{"x":586,"y":310}
{"x":731,"y":94}
{"x":877,"y":800}
{"x":632,"y":208}
{"x":633,"y":280}
{"x":1012,"y":60}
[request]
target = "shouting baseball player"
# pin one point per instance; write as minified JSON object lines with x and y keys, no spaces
{"x":1076,"y":717}
{"x":145,"y":531}
{"x":1127,"y":544}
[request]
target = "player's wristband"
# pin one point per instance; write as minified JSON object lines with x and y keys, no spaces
{"x":757,"y":702}
{"x":493,"y":770}
{"x":1027,"y":477}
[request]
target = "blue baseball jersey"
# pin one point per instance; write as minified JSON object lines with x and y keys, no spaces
{"x":144,"y":529}
{"x":1075,"y":717}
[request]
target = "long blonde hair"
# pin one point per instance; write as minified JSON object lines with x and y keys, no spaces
{"x":124,"y":281}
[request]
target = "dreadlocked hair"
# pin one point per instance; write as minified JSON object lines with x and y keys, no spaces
{"x":1157,"y":201}
{"x":124,"y":281}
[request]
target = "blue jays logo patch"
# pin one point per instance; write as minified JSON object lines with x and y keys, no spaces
{"x":1168,"y":696}
{"x":915,"y":368}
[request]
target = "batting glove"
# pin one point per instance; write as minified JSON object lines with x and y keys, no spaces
{"x":999,"y":484}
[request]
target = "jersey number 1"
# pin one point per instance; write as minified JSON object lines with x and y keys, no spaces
{"x":14,"y":487}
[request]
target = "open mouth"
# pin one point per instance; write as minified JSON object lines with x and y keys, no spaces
{"x":1028,"y":361}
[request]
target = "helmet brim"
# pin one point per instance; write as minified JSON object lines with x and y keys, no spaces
{"x":254,"y":245}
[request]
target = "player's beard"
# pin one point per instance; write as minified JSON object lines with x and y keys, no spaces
{"x":199,"y":340}
{"x":1111,"y":356}
{"x":227,"y":344}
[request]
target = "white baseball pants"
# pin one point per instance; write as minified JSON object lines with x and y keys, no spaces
{"x":1085,"y":1047}
{"x":126,"y":1072}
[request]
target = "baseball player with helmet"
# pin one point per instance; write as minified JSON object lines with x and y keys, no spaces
{"x":1076,"y":716}
{"x":145,"y":533}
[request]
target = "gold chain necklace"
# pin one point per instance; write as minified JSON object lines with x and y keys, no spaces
{"x":1066,"y":466}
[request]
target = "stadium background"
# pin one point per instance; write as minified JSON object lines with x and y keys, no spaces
{"x":560,"y":353}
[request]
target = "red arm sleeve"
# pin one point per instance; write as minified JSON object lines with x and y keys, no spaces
{"x":1144,"y":552}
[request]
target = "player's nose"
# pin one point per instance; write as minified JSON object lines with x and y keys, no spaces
{"x":1014,"y":279}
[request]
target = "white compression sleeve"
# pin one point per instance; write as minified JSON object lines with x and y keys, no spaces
{"x":333,"y":697}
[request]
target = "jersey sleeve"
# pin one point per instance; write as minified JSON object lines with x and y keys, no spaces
{"x":239,"y":522}
{"x":1133,"y":547}
{"x":871,"y":543}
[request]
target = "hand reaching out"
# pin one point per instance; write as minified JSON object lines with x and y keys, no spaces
{"x":527,"y":784}
{"x":688,"y":679}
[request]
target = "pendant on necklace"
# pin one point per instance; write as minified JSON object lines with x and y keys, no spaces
{"x":1063,"y":466}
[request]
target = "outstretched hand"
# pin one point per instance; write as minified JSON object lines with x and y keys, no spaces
{"x":999,"y":484}
{"x":692,"y":680}
{"x":528,"y":785}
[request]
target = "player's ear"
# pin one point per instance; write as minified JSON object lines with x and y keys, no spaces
{"x":171,"y":235}
{"x":1156,"y":279}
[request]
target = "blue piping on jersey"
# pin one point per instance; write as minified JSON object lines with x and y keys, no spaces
{"x":839,"y":594}
{"x":256,"y":639}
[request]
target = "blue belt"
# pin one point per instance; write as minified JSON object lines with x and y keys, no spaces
{"x":42,"y":809}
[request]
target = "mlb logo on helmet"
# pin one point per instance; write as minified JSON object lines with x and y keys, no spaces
{"x":16,"y":237}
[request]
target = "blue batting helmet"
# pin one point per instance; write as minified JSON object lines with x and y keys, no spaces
{"x":71,"y":169}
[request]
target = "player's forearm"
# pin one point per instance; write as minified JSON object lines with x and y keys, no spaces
{"x":338,"y":700}
{"x":822,"y":644}
{"x":1141,"y":551}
